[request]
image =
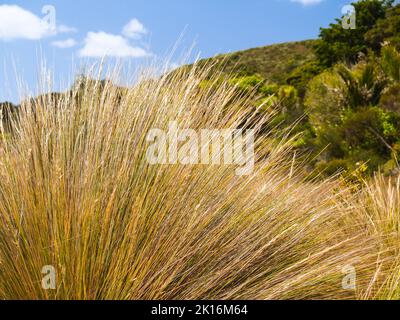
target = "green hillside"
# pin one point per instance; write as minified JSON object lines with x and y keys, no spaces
{"x":273,"y":62}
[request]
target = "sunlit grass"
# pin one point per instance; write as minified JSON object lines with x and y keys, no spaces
{"x":77,"y":192}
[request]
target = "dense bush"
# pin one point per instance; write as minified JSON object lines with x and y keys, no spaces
{"x":338,"y":44}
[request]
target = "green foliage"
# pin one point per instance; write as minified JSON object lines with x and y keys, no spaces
{"x":385,"y":30}
{"x":273,"y":63}
{"x":338,"y":44}
{"x":364,"y":136}
{"x":390,"y":62}
{"x":325,"y":101}
{"x":390,"y":99}
{"x":354,"y":115}
{"x":300,"y":76}
{"x":269,"y":89}
{"x":364,"y":85}
{"x":248,"y":83}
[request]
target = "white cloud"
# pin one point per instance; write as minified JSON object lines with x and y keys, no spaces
{"x":66,"y":29}
{"x":68,"y":43}
{"x":134,"y":29}
{"x":100,"y":44}
{"x":307,"y":2}
{"x":18,"y":23}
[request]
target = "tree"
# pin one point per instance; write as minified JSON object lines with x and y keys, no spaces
{"x":385,"y":30}
{"x":338,"y":44}
{"x":300,"y":77}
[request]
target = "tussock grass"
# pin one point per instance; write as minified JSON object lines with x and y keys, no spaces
{"x":77,"y":192}
{"x":377,"y":214}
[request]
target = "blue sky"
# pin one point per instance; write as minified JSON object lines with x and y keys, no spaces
{"x":136,"y":31}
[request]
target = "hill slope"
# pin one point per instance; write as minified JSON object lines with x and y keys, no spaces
{"x":273,"y":62}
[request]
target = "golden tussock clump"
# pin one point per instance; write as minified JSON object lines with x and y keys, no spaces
{"x":77,"y":193}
